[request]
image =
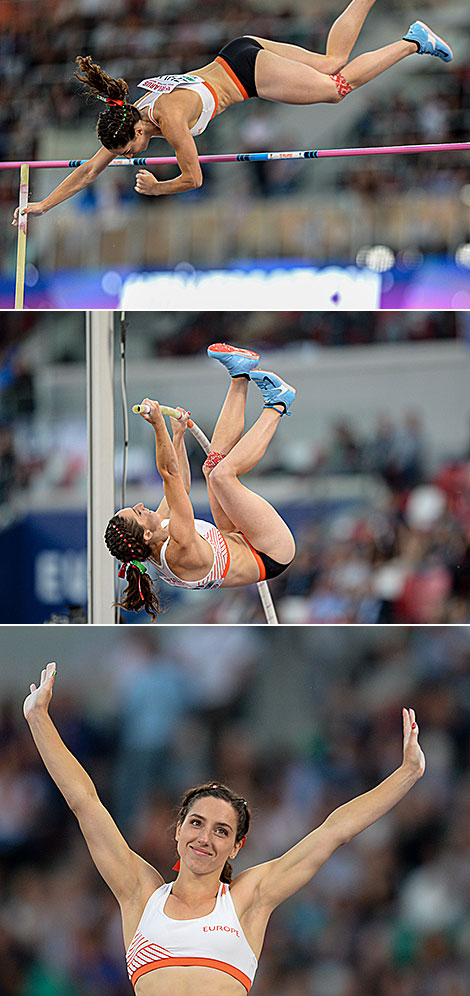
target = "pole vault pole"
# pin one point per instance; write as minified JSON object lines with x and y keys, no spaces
{"x":100,"y":431}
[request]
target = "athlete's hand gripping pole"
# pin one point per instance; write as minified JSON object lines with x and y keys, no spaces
{"x":175,"y":413}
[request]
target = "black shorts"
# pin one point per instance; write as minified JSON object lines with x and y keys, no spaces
{"x":268,"y":568}
{"x":272,"y":567}
{"x":240,"y":57}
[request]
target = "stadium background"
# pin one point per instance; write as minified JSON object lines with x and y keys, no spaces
{"x":299,"y":721}
{"x":372,"y":472}
{"x":326,"y":218}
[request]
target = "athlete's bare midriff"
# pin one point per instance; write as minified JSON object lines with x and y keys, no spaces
{"x":243,"y":567}
{"x":226,"y":90}
{"x":191,"y":980}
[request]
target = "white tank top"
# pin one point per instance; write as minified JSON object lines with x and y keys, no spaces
{"x":220,"y":564}
{"x":165,"y":84}
{"x":213,"y":941}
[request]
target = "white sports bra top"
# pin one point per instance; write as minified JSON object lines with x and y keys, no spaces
{"x":213,"y":941}
{"x":165,"y":84}
{"x":220,"y":563}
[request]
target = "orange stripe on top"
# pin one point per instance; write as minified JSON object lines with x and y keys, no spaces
{"x":216,"y":99}
{"x":262,"y":568}
{"x":149,"y":110}
{"x":222,"y":966}
{"x":229,"y":70}
{"x":217,"y":554}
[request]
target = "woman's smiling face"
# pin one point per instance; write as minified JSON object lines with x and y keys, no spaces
{"x":206,"y":837}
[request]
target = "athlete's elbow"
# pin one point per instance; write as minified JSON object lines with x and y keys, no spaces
{"x":337,"y":833}
{"x":193,"y":179}
{"x":84,"y":176}
{"x":169,"y":470}
{"x":92,"y":174}
{"x":80,"y":799}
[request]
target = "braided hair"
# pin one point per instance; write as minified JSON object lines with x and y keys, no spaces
{"x":116,"y":125}
{"x":125,"y":541}
{"x":218,"y":791}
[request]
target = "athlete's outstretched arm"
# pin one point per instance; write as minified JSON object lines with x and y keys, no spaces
{"x":279,"y":879}
{"x":73,"y":183}
{"x":128,"y":876}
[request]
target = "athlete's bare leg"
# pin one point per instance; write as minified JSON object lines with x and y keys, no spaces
{"x":342,"y":37}
{"x":250,"y":513}
{"x":231,"y":421}
{"x":288,"y":82}
{"x":227,"y":432}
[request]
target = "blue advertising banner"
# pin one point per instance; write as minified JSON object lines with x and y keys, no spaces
{"x":44,"y":567}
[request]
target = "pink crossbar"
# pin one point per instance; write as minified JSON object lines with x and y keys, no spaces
{"x":386,"y":150}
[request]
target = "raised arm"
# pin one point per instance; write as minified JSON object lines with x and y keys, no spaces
{"x":73,"y":183}
{"x":174,"y":477}
{"x":179,"y":427}
{"x":276,"y":880}
{"x":175,"y":129}
{"x":128,"y":876}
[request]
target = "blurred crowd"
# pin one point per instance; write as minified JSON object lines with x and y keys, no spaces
{"x":386,"y":916}
{"x":413,"y":119}
{"x":188,"y":334}
{"x":181,"y":333}
{"x":399,"y":554}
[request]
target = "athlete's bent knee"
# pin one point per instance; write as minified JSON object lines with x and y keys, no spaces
{"x":333,"y":66}
{"x":211,"y":462}
{"x":219,"y":473}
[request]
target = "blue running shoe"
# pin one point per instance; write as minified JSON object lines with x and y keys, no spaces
{"x":274,"y":390}
{"x":428,"y":43}
{"x":238,"y":362}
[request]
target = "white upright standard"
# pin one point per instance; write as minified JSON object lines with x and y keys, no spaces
{"x":101,"y":490}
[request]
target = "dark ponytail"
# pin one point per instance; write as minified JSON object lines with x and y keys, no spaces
{"x":116,"y":125}
{"x":125,"y":541}
{"x":218,"y":791}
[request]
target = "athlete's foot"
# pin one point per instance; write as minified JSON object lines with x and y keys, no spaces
{"x":238,"y":362}
{"x":276,"y":393}
{"x":428,"y":43}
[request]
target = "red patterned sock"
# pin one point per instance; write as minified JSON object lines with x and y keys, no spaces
{"x":212,"y":460}
{"x":342,"y":85}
